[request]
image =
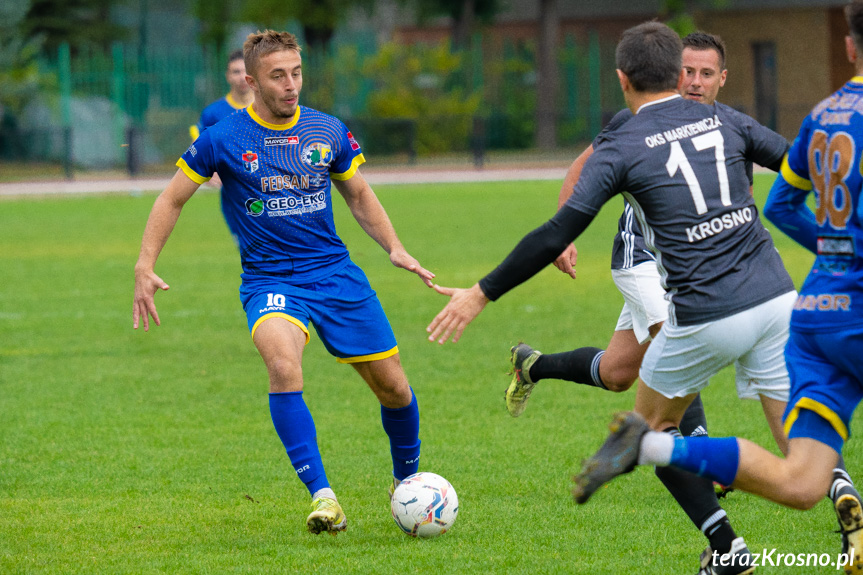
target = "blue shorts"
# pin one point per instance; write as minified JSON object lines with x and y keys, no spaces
{"x":826,"y":379}
{"x":343,"y":308}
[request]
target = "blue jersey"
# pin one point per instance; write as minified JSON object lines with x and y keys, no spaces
{"x":216,"y":111}
{"x":276,"y":181}
{"x":826,"y":159}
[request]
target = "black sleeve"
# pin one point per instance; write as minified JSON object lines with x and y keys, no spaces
{"x":535,"y":251}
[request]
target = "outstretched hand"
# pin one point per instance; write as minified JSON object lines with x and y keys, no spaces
{"x":402,"y":259}
{"x":566,"y":261}
{"x":463,"y":307}
{"x":144,"y":303}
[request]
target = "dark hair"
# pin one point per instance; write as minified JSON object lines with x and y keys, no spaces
{"x":234,"y":56}
{"x":259,"y":44}
{"x":704,"y":41}
{"x":854,"y":16}
{"x":650,"y":55}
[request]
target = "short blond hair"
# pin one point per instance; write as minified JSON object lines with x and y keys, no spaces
{"x":260,"y":44}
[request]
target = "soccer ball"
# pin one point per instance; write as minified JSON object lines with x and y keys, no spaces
{"x":424,"y":505}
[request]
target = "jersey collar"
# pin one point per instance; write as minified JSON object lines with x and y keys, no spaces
{"x":857,"y":79}
{"x":233,"y":103}
{"x":659,"y":101}
{"x":288,"y":126}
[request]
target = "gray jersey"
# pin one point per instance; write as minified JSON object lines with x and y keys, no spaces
{"x":682,"y":166}
{"x":629,"y":249}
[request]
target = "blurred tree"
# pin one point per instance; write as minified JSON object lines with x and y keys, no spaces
{"x":216,"y":17}
{"x":464,"y":14}
{"x":19,"y":72}
{"x":546,"y":79}
{"x":81,"y":23}
{"x":319,"y":18}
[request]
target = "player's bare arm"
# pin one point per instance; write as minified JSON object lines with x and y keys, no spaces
{"x":566,"y":261}
{"x":166,"y":210}
{"x":370,"y":214}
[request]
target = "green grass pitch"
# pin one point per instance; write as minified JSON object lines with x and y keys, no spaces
{"x":133,"y":452}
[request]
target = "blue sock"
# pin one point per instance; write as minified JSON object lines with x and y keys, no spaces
{"x":716,"y":458}
{"x":402,"y":425}
{"x":296,"y":429}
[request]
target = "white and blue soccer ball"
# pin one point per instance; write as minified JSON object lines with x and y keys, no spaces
{"x":424,"y":505}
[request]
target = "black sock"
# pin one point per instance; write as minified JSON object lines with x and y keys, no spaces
{"x":842,"y":483}
{"x":579,"y":365}
{"x":696,"y":496}
{"x":694,"y":421}
{"x":721,"y":535}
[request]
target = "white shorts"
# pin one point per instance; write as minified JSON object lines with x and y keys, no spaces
{"x":644,"y":299}
{"x":682,"y":359}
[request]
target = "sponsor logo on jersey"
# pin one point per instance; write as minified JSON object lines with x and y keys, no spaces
{"x":288,"y":181}
{"x":835,"y":246}
{"x":823,"y":302}
{"x":317,"y":154}
{"x":318,"y":180}
{"x":719,"y":224}
{"x":354,"y":145}
{"x":282,"y":141}
{"x":193,"y":150}
{"x":250,"y":161}
{"x":254,"y":207}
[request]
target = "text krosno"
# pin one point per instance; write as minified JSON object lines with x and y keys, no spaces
{"x":773,"y":558}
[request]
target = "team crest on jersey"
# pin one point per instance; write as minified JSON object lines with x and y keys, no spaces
{"x":254,"y":207}
{"x":317,"y":155}
{"x":354,"y":144}
{"x":250,"y":161}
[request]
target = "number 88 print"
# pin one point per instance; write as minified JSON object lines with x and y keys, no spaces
{"x":830,"y":162}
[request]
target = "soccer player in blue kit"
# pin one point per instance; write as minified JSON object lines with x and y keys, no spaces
{"x":826,"y":337}
{"x":237,"y":98}
{"x":681,"y":165}
{"x":276,"y":160}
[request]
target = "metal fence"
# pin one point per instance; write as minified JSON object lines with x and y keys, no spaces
{"x":128,"y":109}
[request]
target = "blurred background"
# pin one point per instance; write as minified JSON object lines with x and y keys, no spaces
{"x":112,"y":86}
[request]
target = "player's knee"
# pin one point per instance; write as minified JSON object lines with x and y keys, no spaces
{"x":619,"y":380}
{"x":804,"y":488}
{"x":285,"y":374}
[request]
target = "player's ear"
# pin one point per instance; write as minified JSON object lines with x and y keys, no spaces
{"x":851,"y":49}
{"x":722,"y":76}
{"x":625,"y":86}
{"x":680,"y":79}
{"x":250,"y":80}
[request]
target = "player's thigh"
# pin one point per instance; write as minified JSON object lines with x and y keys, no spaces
{"x":761,"y":371}
{"x":281,"y":344}
{"x":660,"y":411}
{"x":644,"y":298}
{"x":350,"y":320}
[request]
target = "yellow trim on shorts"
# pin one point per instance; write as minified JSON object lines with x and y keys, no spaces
{"x":793,"y":179}
{"x":193,"y":175}
{"x":355,"y":164}
{"x":370,"y":357}
{"x":820,"y":409}
{"x":285,"y":316}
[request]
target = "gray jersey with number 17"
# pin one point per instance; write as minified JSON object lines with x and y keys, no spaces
{"x":682,"y":167}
